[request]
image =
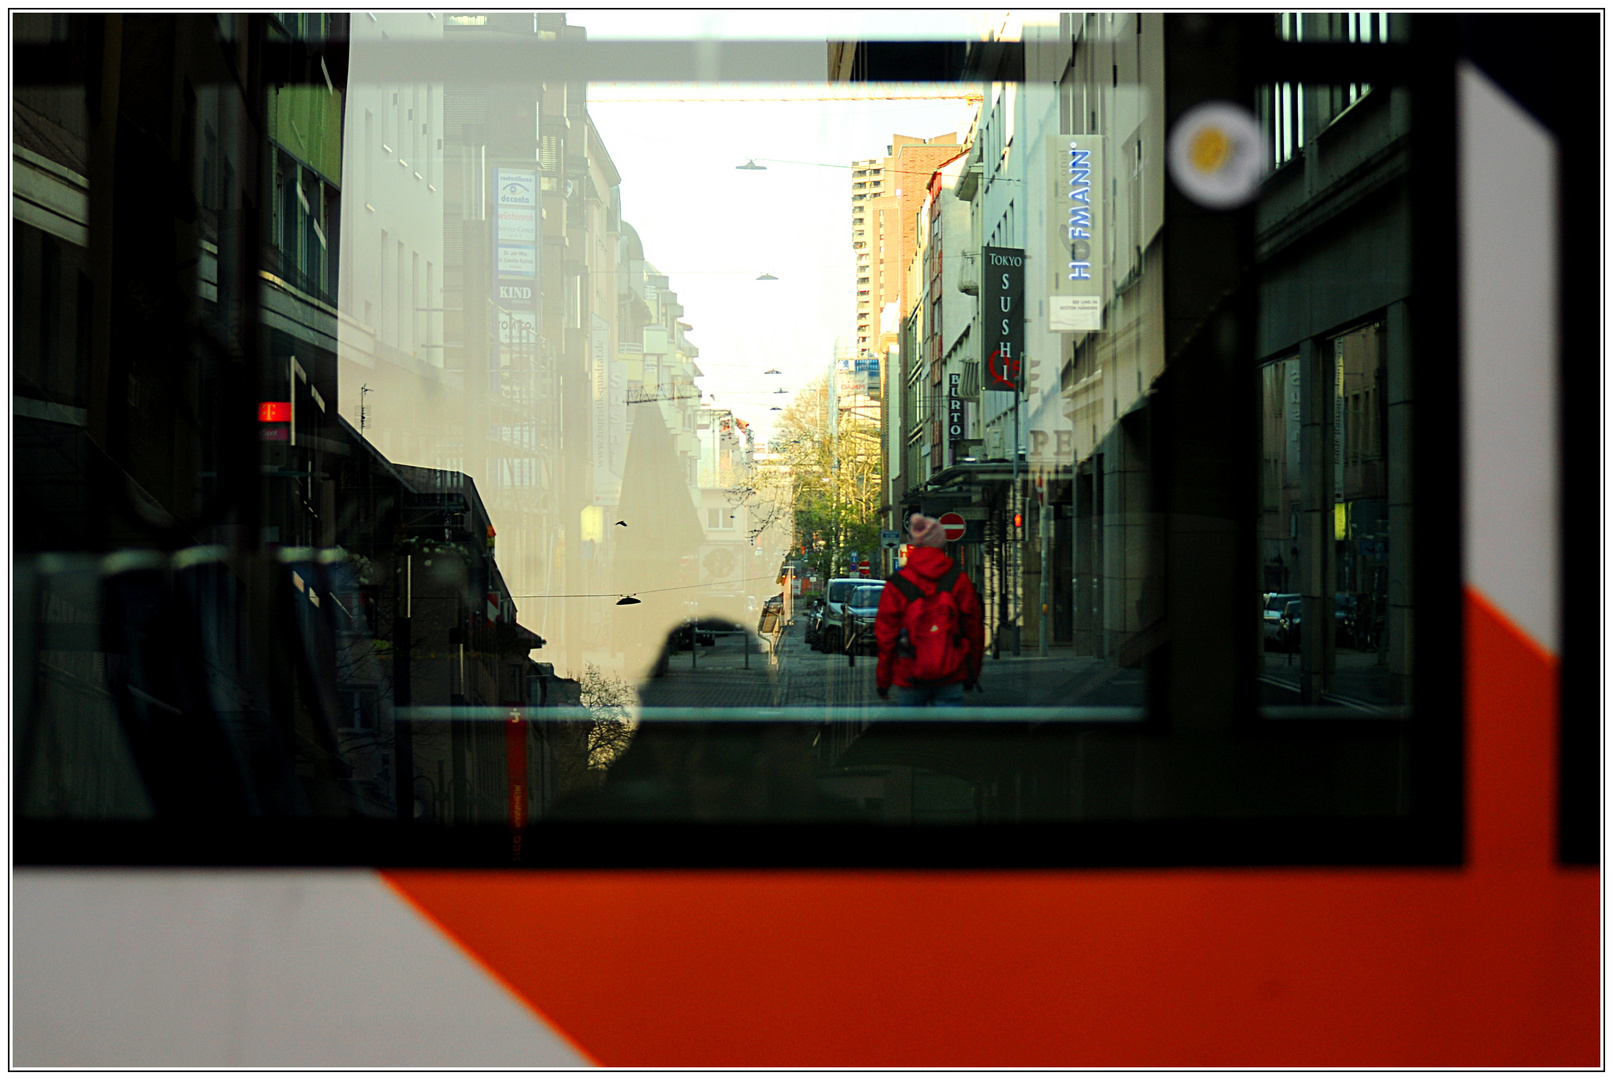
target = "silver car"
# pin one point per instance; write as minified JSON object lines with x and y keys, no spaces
{"x":860,"y":611}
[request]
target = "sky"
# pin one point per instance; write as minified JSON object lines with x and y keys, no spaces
{"x":714,"y":229}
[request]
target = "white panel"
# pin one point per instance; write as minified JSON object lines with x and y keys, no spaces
{"x":277,"y":968}
{"x":1508,"y":192}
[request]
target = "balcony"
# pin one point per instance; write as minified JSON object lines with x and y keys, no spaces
{"x":969,"y":273}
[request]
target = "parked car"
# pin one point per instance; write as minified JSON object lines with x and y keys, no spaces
{"x":1272,"y":614}
{"x":831,"y":633}
{"x":684,"y":633}
{"x":1289,"y":625}
{"x":812,"y":612}
{"x":860,"y":611}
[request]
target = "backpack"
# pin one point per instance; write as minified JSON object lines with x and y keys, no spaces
{"x":932,"y":631}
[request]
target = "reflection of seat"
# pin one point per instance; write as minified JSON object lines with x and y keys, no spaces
{"x":170,"y":708}
{"x":71,"y":758}
{"x":159,"y":669}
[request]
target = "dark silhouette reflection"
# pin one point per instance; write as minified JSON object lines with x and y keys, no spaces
{"x":729,"y":768}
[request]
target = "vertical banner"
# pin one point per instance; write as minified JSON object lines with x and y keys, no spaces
{"x":515,"y":253}
{"x":607,"y":485}
{"x":617,"y":413}
{"x":1075,"y":233}
{"x":1002,"y":313}
{"x":515,"y":774}
{"x":954,"y":406}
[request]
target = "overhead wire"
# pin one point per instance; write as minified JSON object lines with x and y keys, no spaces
{"x":633,"y":592}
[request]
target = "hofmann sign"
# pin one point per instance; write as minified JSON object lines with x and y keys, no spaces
{"x":1075,"y":240}
{"x":1002,"y":312}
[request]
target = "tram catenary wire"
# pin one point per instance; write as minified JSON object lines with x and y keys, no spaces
{"x":634,"y":592}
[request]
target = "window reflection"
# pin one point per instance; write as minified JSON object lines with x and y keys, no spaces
{"x":1335,"y":412}
{"x":500,"y":451}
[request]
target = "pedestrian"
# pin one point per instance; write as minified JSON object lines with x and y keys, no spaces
{"x":930,"y":630}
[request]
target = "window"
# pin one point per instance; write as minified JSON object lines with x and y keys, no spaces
{"x":1226,"y":517}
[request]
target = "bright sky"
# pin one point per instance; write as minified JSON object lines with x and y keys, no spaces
{"x":714,"y":229}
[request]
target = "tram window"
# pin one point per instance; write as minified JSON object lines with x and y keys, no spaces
{"x":566,"y":551}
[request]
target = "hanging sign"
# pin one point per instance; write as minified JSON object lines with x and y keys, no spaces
{"x":1075,"y":240}
{"x":515,"y":234}
{"x":1002,"y":311}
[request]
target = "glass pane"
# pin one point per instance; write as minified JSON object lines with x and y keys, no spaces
{"x":1335,"y":512}
{"x":547,"y":422}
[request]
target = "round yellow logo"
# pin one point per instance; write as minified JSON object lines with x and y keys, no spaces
{"x":1210,"y":149}
{"x":1215,"y":154}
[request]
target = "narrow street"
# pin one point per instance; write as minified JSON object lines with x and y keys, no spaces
{"x":724,"y":674}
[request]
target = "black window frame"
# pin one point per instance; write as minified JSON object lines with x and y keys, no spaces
{"x":1430,"y":835}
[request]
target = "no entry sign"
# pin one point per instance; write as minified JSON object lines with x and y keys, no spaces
{"x":954,"y":526}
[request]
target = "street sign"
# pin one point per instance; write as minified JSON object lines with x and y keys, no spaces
{"x":954,"y":525}
{"x":889,"y":538}
{"x":863,"y":568}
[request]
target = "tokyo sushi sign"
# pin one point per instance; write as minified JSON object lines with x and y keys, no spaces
{"x":1002,"y":312}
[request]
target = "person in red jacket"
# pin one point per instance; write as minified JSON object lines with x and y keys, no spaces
{"x":930,"y":629}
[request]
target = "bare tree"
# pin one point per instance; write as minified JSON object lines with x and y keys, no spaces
{"x":765,"y":490}
{"x":611,"y":730}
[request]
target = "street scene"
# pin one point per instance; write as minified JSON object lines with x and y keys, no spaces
{"x":519,"y":430}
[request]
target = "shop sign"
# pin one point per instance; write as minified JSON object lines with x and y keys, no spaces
{"x":518,"y":223}
{"x":1002,"y":310}
{"x":517,"y":260}
{"x":1075,"y":240}
{"x":516,"y":187}
{"x":515,"y":251}
{"x":518,"y":328}
{"x":954,"y":405}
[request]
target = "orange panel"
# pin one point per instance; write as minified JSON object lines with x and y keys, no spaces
{"x":1493,"y":964}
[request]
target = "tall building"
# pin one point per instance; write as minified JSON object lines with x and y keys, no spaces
{"x":885,"y":195}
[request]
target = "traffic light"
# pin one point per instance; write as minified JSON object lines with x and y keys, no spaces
{"x":1018,"y":521}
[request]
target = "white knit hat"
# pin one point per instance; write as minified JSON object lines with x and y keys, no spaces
{"x":926,"y":531}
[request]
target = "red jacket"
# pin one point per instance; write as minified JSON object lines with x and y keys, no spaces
{"x":924,"y":566}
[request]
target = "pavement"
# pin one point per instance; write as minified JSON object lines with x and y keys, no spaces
{"x":1360,"y":681}
{"x":736,"y":671}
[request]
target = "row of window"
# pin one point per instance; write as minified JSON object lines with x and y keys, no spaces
{"x":303,"y":221}
{"x":405,"y":293}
